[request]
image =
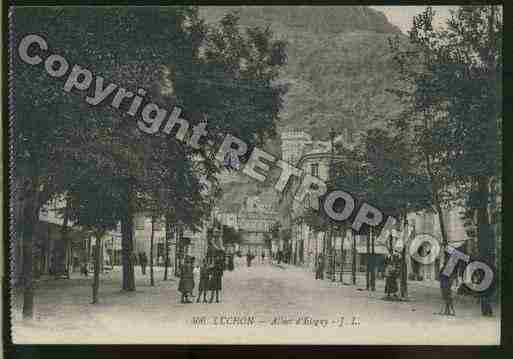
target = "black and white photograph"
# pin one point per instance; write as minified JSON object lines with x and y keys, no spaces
{"x":321,"y":175}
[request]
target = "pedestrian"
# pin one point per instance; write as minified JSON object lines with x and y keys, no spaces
{"x":391,"y":286}
{"x":186,"y":284}
{"x":51,"y":267}
{"x":83,"y":269}
{"x":319,"y":270}
{"x":143,"y":261}
{"x":445,"y":288}
{"x":263,"y":256}
{"x":248,"y":259}
{"x":75,"y":263}
{"x":231,"y":264}
{"x":204,"y":279}
{"x":216,"y":278}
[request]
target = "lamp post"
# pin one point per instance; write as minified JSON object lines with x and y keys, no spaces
{"x":354,"y":256}
{"x":331,"y":253}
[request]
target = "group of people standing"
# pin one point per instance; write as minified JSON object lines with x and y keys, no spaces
{"x":210,"y":279}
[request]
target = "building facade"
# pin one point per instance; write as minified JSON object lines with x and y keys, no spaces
{"x":255,"y":220}
{"x":305,"y":245}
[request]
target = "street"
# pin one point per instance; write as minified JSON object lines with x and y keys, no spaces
{"x":266,"y":303}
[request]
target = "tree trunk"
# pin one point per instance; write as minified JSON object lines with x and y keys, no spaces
{"x":127,"y":248}
{"x":167,"y":242}
{"x":70,"y":260}
{"x":367,"y":271}
{"x":152,"y":280}
{"x":342,"y":256}
{"x":404,"y":267}
{"x":30,"y":217}
{"x":96,"y":277}
{"x":373,"y":265}
{"x":88,"y":254}
{"x":483,"y":233}
{"x":178,"y":248}
{"x":102,"y":259}
{"x":64,"y":238}
{"x":441,"y":220}
{"x":438,"y":206}
{"x":332,"y":253}
{"x":354,"y":257}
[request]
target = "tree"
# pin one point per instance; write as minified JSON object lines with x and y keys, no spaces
{"x":37,"y":140}
{"x":456,"y":94}
{"x":395,"y":183}
{"x":94,"y":205}
{"x":48,"y":123}
{"x":56,"y":135}
{"x":423,"y":122}
{"x":230,"y":80}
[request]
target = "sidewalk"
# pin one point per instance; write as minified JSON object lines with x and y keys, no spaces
{"x":421,"y":292}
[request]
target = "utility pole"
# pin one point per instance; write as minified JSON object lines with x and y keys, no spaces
{"x":354,"y":257}
{"x":404,"y":267}
{"x":367,"y":269}
{"x":373,"y":267}
{"x":331,"y":251}
{"x":342,"y":255}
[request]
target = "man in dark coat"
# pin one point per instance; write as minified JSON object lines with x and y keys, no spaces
{"x":249,"y":258}
{"x":445,"y":288}
{"x":319,"y":270}
{"x":186,"y":284}
{"x":143,"y":261}
{"x":216,"y":278}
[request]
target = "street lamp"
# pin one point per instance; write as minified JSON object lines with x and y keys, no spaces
{"x":331,"y":253}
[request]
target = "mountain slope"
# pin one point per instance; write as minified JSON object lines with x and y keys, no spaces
{"x":339,"y":67}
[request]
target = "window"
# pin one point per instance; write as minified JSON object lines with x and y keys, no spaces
{"x":314,"y":169}
{"x":139,"y":222}
{"x":307,"y":202}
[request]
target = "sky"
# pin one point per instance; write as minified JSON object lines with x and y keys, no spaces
{"x":402,"y":16}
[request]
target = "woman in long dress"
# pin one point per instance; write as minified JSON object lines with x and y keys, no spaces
{"x":186,"y":284}
{"x":391,"y":286}
{"x":204,"y":277}
{"x":216,"y":278}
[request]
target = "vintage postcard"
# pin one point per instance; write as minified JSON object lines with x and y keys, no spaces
{"x":255,"y":174}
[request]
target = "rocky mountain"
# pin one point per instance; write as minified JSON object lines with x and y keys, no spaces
{"x":339,"y":67}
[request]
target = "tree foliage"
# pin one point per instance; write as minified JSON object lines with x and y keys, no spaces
{"x":62,"y":144}
{"x":454,"y":77}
